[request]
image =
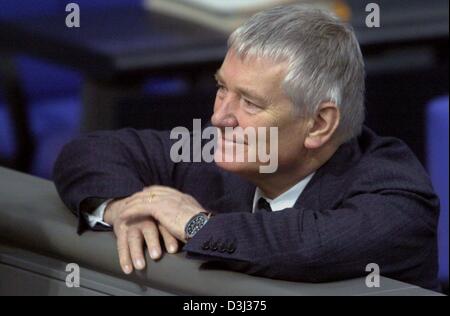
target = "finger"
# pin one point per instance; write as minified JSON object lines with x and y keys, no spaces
{"x":136,"y":244}
{"x":130,"y":198}
{"x":123,"y":250}
{"x":146,"y":192}
{"x":139,"y":195}
{"x":151,"y":236}
{"x":170,"y":242}
{"x":145,"y":198}
{"x":139,"y":210}
{"x":159,"y":189}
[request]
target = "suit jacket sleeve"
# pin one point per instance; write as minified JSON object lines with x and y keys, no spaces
{"x":107,"y":165}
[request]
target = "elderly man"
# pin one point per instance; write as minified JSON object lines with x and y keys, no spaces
{"x":341,"y":196}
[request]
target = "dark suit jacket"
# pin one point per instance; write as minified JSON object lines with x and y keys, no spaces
{"x":371,"y":202}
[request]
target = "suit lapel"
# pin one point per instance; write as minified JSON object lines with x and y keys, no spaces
{"x":237,"y":198}
{"x":323,"y":191}
{"x":310,"y":196}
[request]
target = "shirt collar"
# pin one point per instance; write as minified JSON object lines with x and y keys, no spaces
{"x":285,"y":200}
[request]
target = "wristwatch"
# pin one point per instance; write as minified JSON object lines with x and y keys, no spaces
{"x":195,"y":224}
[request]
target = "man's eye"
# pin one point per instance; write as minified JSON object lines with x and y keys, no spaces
{"x":221,"y":91}
{"x":220,"y":87}
{"x":250,"y":104}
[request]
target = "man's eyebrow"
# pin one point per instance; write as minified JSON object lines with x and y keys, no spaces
{"x":252,"y":95}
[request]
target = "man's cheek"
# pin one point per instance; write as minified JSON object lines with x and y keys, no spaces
{"x":268,"y":151}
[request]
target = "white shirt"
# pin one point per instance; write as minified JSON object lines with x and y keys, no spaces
{"x":97,"y":217}
{"x":285,"y":200}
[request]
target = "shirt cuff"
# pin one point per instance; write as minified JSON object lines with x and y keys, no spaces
{"x":97,"y":217}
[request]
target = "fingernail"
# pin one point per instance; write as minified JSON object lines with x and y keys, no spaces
{"x":154,"y":254}
{"x":140,"y":264}
{"x":172,"y":249}
{"x":127,"y":269}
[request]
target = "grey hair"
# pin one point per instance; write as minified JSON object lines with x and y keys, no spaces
{"x":324,"y":59}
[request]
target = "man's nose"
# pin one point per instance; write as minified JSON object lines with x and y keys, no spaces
{"x":225,"y":113}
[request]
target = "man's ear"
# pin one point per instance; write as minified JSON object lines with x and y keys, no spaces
{"x":323,"y":125}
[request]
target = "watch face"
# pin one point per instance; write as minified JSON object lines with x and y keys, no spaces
{"x":195,"y":224}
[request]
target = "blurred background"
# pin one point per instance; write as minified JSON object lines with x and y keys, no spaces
{"x":150,"y":64}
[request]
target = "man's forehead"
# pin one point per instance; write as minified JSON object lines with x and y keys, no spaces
{"x":252,"y":68}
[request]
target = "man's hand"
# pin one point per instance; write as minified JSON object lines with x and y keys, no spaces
{"x":171,"y":208}
{"x":133,"y":234}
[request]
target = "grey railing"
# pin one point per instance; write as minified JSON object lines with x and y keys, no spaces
{"x":38,"y":239}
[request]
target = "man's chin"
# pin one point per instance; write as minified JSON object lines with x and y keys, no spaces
{"x":228,"y":160}
{"x":240,"y":168}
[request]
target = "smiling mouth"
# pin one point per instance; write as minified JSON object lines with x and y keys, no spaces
{"x":233,"y":141}
{"x":232,"y":138}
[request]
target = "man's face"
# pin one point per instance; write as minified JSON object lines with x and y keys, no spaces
{"x":250,"y":94}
